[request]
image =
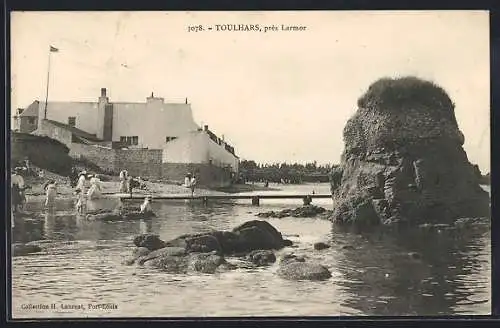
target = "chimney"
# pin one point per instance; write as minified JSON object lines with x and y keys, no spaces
{"x":206,"y":127}
{"x":186,"y":100}
{"x":103,"y":92}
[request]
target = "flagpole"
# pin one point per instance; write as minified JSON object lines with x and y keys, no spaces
{"x":47,"y":91}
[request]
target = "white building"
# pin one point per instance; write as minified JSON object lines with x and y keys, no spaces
{"x":153,"y":124}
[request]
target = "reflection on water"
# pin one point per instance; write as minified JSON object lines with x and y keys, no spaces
{"x":417,"y":273}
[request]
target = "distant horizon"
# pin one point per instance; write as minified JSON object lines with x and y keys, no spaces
{"x":282,"y":97}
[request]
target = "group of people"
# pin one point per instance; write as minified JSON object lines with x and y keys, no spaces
{"x":94,"y":190}
{"x":86,"y":187}
{"x":18,"y":187}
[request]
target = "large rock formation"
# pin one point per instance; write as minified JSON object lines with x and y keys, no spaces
{"x":403,"y":160}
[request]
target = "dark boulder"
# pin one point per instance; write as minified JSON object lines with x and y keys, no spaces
{"x":204,"y":252}
{"x":203,"y":244}
{"x":149,"y":241}
{"x":261,"y":257}
{"x":138,"y":252}
{"x":320,"y":246}
{"x":162,"y":252}
{"x":299,"y":269}
{"x":257,"y":234}
{"x":176,"y":260}
{"x":205,"y":263}
{"x":292,"y":258}
{"x":307,"y":211}
{"x":169,"y":264}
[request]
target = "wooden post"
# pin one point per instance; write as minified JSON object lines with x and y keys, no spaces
{"x":255,"y":200}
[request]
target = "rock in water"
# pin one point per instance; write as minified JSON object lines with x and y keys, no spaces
{"x":403,"y":160}
{"x":205,"y":263}
{"x":295,"y":269}
{"x":149,"y":241}
{"x":320,"y":246}
{"x":261,"y":257}
{"x":256,"y":234}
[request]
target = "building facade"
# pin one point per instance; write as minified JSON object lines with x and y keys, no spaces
{"x":167,"y":129}
{"x":26,"y":119}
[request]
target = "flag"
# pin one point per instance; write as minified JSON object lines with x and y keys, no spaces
{"x":53,"y":49}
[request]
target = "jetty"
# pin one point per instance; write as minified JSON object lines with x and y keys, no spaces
{"x":255,"y":199}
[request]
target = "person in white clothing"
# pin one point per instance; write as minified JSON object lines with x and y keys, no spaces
{"x":95,"y":188}
{"x":187,"y":180}
{"x":17,"y":188}
{"x":81,"y":181}
{"x":192,"y":185}
{"x":146,"y":206}
{"x":50,"y":194}
{"x":81,"y":203}
{"x":124,"y":187}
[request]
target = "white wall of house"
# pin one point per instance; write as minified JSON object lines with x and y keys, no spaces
{"x":85,"y":113}
{"x":152,"y":122}
{"x":197,"y":147}
{"x":220,"y":156}
{"x":189,"y":148}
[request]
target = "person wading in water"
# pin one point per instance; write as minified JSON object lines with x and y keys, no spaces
{"x":17,"y":187}
{"x":50,"y":195}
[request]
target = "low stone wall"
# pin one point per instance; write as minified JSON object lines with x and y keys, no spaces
{"x":103,"y":157}
{"x":139,"y":162}
{"x":147,"y":163}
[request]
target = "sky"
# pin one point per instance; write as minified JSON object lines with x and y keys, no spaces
{"x":279,"y":96}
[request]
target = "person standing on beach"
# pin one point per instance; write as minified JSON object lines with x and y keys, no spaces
{"x":132,"y":183}
{"x":124,"y":187}
{"x":187,"y":180}
{"x":192,"y":185}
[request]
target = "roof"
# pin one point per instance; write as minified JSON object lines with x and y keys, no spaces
{"x":31,"y":110}
{"x":75,"y":131}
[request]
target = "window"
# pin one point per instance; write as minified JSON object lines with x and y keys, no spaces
{"x":72,"y":121}
{"x":129,"y":141}
{"x":167,"y":139}
{"x":31,"y":120}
